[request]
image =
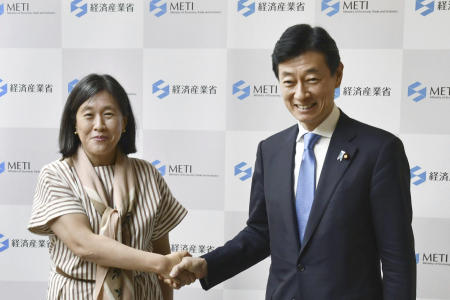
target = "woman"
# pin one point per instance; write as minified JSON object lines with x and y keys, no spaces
{"x":108,"y":216}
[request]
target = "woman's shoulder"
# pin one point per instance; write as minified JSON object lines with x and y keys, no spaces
{"x":59,"y":168}
{"x":143,"y":166}
{"x":56,"y":166}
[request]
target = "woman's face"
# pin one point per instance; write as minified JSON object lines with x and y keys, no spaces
{"x":99,"y":124}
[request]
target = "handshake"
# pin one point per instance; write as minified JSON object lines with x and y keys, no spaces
{"x":181,"y":269}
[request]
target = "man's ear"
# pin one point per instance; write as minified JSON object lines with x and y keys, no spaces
{"x":339,"y":74}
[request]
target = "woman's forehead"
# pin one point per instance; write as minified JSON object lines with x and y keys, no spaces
{"x":100,"y":100}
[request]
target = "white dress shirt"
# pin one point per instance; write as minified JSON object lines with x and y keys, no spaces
{"x":325,"y":130}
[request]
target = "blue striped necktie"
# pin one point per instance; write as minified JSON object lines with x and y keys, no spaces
{"x":306,"y":184}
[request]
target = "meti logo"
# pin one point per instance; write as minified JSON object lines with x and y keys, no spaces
{"x":161,"y":168}
{"x":417,"y":88}
{"x":425,"y":7}
{"x":4,"y":243}
{"x":156,"y":87}
{"x":415,"y":172}
{"x":20,"y":8}
{"x":238,"y":170}
{"x":330,"y":7}
{"x":74,"y":6}
{"x":158,"y":7}
{"x":238,"y":87}
{"x":433,"y":258}
{"x":337,"y":92}
{"x":72,"y":84}
{"x":248,"y":8}
{"x":3,"y":88}
{"x":16,"y":167}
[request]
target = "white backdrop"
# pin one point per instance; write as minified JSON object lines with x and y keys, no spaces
{"x":199,"y":77}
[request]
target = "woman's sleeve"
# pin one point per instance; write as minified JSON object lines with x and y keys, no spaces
{"x":53,"y":198}
{"x":170,"y":212}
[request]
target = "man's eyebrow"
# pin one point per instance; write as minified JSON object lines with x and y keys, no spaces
{"x":286,"y":73}
{"x":312,"y":70}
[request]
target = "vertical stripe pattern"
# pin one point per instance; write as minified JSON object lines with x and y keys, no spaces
{"x":59,"y":192}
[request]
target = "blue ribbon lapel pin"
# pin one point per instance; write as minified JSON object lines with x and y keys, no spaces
{"x":343,"y":156}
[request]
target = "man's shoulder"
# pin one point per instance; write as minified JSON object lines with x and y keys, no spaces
{"x":281,"y":136}
{"x":366,"y":132}
{"x":370,"y":140}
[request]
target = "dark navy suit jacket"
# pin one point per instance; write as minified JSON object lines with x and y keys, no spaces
{"x":361,"y":216}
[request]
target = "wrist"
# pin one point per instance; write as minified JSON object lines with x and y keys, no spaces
{"x":204,"y":268}
{"x":162,"y":264}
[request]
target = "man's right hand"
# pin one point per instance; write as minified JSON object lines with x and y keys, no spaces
{"x":194,"y":265}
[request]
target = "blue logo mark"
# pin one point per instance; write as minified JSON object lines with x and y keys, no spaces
{"x":2,"y":167}
{"x":71,"y":85}
{"x":238,"y":170}
{"x":249,"y":8}
{"x":158,"y":10}
{"x":417,"y":258}
{"x":4,"y":243}
{"x":337,"y":92}
{"x":330,"y":7}
{"x":237,"y":87}
{"x":417,"y":88}
{"x":74,"y":7}
{"x":156,"y":87}
{"x":425,"y":7}
{"x":3,"y":88}
{"x":422,"y":176}
{"x":2,"y":9}
{"x":161,"y":168}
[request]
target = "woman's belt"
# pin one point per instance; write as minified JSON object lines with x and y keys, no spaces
{"x":62,"y":273}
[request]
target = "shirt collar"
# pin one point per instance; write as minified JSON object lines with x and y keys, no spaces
{"x":326,"y":128}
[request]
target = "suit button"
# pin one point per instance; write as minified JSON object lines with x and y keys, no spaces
{"x":300,"y":267}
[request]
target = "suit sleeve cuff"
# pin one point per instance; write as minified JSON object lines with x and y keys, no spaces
{"x":205,"y":281}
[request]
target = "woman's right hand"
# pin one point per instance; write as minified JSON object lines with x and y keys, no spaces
{"x":171,"y":260}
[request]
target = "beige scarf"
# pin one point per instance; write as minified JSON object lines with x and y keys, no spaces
{"x":110,"y":283}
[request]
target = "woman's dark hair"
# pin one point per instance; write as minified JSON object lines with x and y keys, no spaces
{"x":301,"y":38}
{"x":86,"y":88}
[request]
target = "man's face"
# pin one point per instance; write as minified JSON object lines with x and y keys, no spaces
{"x":307,"y":87}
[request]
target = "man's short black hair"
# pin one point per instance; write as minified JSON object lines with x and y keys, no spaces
{"x":86,"y":88}
{"x":301,"y":38}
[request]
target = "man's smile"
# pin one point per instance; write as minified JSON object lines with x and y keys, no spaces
{"x":304,"y":107}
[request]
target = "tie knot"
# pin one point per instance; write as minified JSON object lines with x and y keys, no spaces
{"x":310,"y":139}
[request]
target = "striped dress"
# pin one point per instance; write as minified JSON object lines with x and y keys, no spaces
{"x":59,"y":192}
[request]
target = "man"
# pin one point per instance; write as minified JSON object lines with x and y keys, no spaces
{"x":330,"y":199}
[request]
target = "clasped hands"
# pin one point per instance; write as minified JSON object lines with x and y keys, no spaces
{"x":183,"y":269}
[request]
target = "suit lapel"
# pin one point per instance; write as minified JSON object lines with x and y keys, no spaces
{"x":331,"y":174}
{"x":283,"y":179}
